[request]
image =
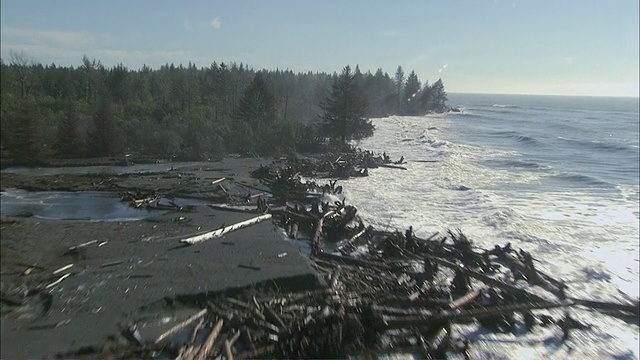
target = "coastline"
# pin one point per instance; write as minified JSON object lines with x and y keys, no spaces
{"x":151,"y":280}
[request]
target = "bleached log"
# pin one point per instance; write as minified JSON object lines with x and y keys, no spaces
{"x":62,"y":269}
{"x":219,"y":232}
{"x":242,"y":209}
{"x":351,"y":242}
{"x":74,"y":248}
{"x":465,"y":300}
{"x":316,"y":241}
{"x":227,"y":350}
{"x":181,"y":325}
{"x":218,"y":181}
{"x":208,"y":344}
{"x":58,"y":281}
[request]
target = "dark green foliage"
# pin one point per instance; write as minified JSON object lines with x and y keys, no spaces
{"x":345,"y":110}
{"x":188,"y":113}
{"x":103,"y":139}
{"x":25,"y":142}
{"x":399,"y":87}
{"x":438,"y":97}
{"x":70,"y":139}
{"x":411,"y":105}
{"x":257,"y":105}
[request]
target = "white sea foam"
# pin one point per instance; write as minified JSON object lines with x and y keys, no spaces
{"x":578,"y":235}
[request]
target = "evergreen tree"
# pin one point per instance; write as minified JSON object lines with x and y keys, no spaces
{"x":438,"y":97}
{"x":257,"y":106}
{"x":344,"y":111}
{"x":411,"y":94}
{"x":257,"y":112}
{"x":399,"y":82}
{"x":26,"y":142}
{"x":69,"y":141}
{"x":103,"y":136}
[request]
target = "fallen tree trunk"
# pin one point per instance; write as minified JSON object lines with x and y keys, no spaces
{"x":393,"y":166}
{"x":181,"y":325}
{"x":603,"y":305}
{"x":206,"y":347}
{"x":219,"y":232}
{"x":430,"y":318}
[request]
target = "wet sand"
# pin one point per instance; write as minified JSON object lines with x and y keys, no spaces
{"x":141,"y":270}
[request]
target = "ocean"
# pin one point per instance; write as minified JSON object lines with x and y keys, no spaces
{"x":555,"y":176}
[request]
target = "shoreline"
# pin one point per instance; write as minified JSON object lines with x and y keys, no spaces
{"x":161,"y":235}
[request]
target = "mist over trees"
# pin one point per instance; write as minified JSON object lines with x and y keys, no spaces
{"x":194,"y":113}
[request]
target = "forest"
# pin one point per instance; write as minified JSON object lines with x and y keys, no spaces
{"x":194,"y":113}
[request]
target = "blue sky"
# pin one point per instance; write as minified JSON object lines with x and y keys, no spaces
{"x":568,"y":47}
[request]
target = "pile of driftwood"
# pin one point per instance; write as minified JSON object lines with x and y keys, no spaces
{"x":384,"y":292}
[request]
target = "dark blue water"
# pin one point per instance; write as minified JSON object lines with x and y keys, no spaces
{"x":579,"y":141}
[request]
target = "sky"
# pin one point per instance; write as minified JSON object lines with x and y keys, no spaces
{"x":568,"y":47}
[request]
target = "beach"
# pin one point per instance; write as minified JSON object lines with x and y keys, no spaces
{"x":132,"y":269}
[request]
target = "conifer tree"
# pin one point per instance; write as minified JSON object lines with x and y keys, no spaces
{"x":69,"y":141}
{"x":26,"y":142}
{"x":103,"y":136}
{"x":344,"y":111}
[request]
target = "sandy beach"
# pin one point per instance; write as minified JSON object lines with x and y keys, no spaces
{"x":131,"y":270}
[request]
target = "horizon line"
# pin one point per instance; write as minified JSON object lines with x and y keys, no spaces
{"x":637,"y":97}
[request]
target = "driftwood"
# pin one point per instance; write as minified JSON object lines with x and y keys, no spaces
{"x":465,"y":300}
{"x":350,"y":245}
{"x":396,"y":322}
{"x":393,"y":166}
{"x":77,"y":247}
{"x":227,"y":350}
{"x":181,"y":325}
{"x":604,"y":305}
{"x":214,"y":182}
{"x":112,"y":263}
{"x":208,"y":344}
{"x":241,"y":209}
{"x":352,"y":261}
{"x":485,"y":279}
{"x":61,"y":269}
{"x":57,"y":281}
{"x":316,"y":242}
{"x":219,"y":232}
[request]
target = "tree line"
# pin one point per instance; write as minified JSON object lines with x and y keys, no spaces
{"x":194,"y":113}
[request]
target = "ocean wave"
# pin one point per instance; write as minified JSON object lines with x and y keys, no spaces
{"x":581,"y":179}
{"x":506,"y":106}
{"x":517,"y":136}
{"x":600,"y":145}
{"x":517,"y":164}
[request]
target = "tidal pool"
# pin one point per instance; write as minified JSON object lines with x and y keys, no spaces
{"x":60,"y":205}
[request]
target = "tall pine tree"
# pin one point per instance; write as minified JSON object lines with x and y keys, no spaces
{"x":344,"y":111}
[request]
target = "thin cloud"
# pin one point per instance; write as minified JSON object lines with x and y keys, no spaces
{"x":215,"y":23}
{"x":60,"y":38}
